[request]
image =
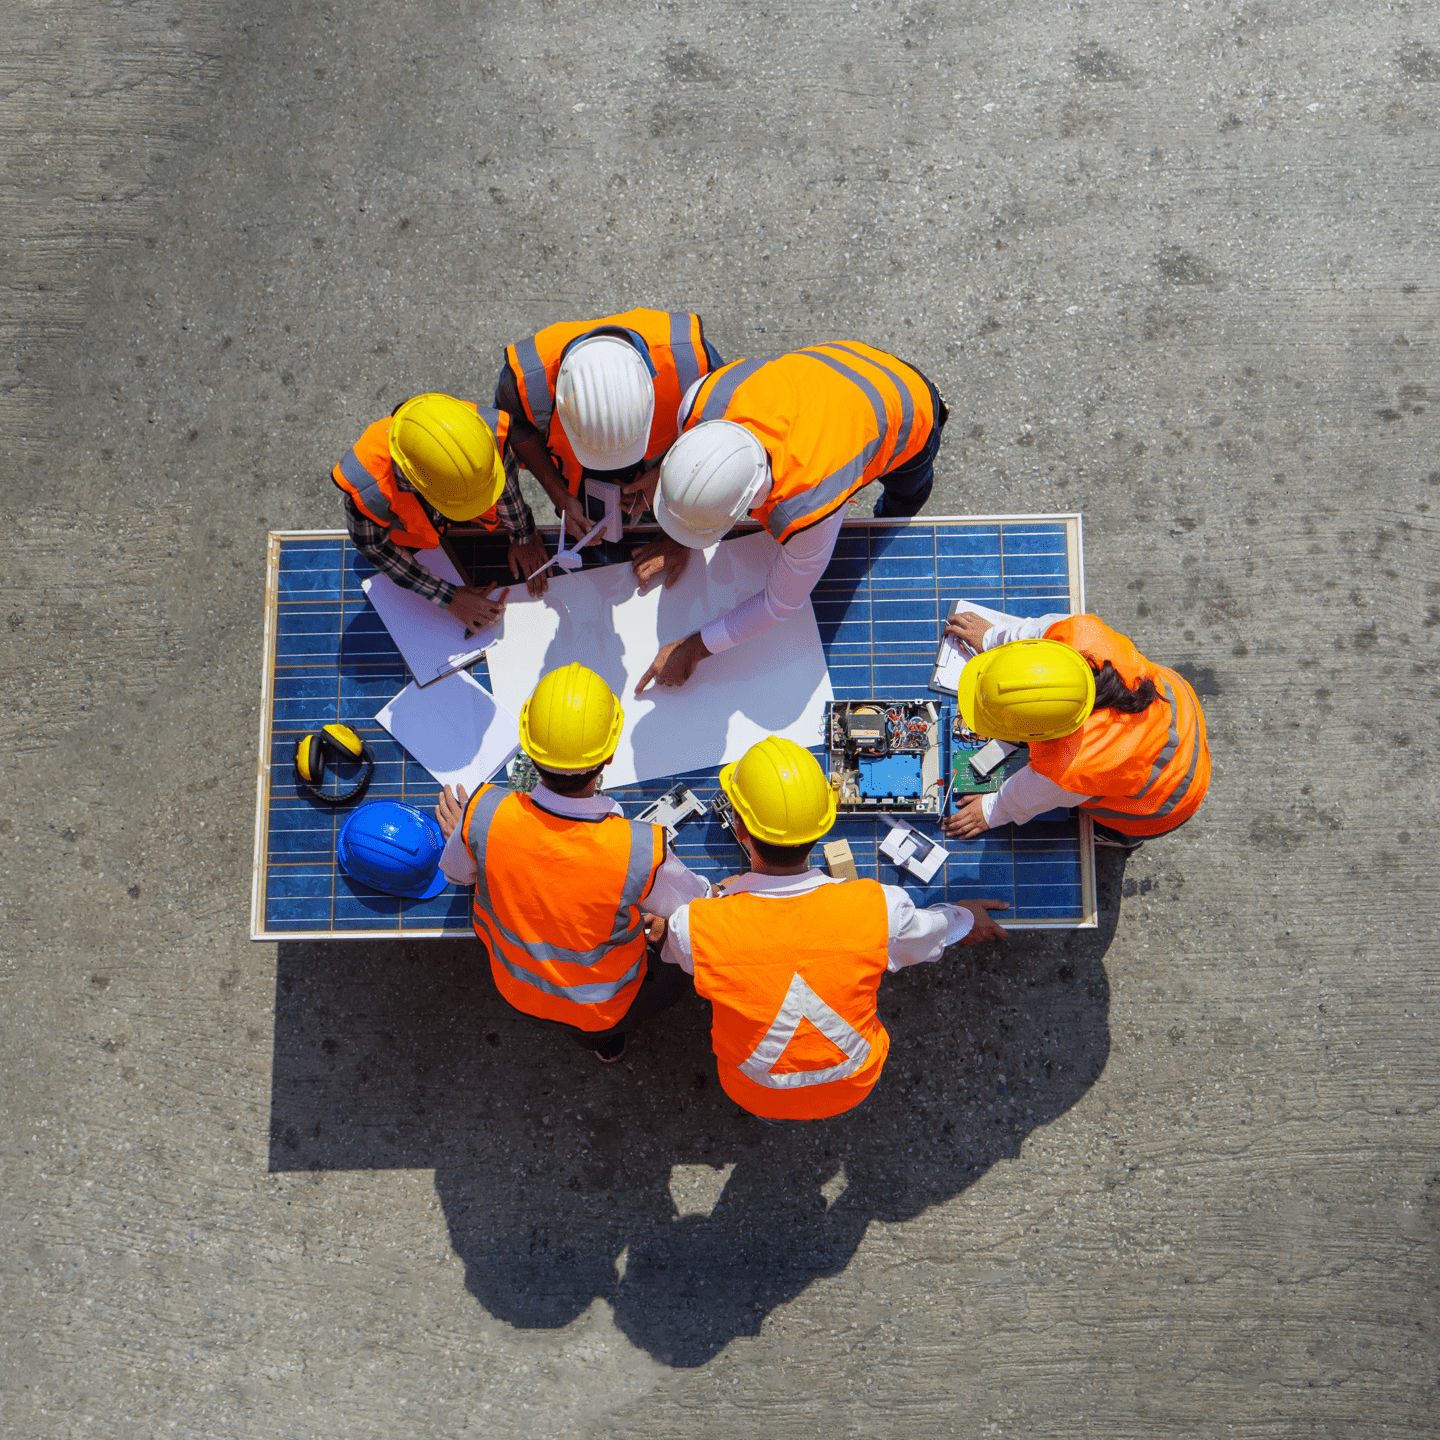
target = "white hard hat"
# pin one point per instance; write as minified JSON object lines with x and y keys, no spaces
{"x":605,"y":398}
{"x":708,"y":480}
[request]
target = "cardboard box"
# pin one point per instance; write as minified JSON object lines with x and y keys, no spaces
{"x":839,"y":860}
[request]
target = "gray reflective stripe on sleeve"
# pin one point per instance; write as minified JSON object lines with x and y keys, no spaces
{"x":537,"y":384}
{"x":824,"y":496}
{"x":1176,"y":795}
{"x":372,"y":497}
{"x":490,"y":416}
{"x":637,"y":877}
{"x":711,"y":404}
{"x":626,"y":927}
{"x":907,"y":401}
{"x":580,"y":994}
{"x":1172,"y":744}
{"x":682,"y":348}
{"x":801,"y":1002}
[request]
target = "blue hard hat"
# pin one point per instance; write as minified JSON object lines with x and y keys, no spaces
{"x":393,"y":847}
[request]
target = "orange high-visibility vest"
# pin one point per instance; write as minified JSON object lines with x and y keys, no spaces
{"x":792,"y":979}
{"x":368,"y":475}
{"x":832,"y":418}
{"x":1146,"y":772}
{"x":557,"y":904}
{"x":674,"y":343}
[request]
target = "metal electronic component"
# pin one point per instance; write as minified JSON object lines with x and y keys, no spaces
{"x":887,"y":756}
{"x":970,"y":752}
{"x":522,"y":774}
{"x":673,"y":807}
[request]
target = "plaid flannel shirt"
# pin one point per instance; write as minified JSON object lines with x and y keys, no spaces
{"x":373,"y":540}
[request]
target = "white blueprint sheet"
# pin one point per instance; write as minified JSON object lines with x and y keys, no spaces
{"x":454,"y":729}
{"x":430,"y":638}
{"x":774,"y":684}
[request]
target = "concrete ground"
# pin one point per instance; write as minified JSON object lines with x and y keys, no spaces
{"x":1174,"y":266}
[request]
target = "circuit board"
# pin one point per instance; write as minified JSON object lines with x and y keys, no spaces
{"x":887,"y":756}
{"x":963,"y":744}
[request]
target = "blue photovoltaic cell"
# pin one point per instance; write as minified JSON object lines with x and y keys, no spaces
{"x":878,"y":607}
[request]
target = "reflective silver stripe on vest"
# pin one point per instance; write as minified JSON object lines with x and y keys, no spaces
{"x":491,"y":417}
{"x":372,"y":497}
{"x":537,"y":384}
{"x":580,"y":994}
{"x":802,"y":1003}
{"x":1172,"y":744}
{"x":687,"y":359}
{"x":907,"y":401}
{"x":625,"y":928}
{"x":828,"y":493}
{"x":1181,"y":790}
{"x":712,"y":404}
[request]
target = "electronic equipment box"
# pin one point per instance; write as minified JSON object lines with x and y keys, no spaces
{"x":888,"y":756}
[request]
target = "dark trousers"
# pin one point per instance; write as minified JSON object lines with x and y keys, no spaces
{"x":905,"y":490}
{"x":663,"y":985}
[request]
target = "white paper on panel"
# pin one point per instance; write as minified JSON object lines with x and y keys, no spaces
{"x":774,"y":684}
{"x":430,"y":638}
{"x":454,"y":729}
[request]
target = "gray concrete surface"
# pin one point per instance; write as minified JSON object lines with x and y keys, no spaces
{"x":1174,"y":265}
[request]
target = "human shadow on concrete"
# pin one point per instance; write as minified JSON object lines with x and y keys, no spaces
{"x":563,"y":1181}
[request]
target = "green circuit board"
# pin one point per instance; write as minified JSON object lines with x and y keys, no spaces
{"x":966,"y":781}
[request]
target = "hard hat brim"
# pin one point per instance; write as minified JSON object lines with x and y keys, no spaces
{"x":632,"y":454}
{"x":472,"y":511}
{"x":680,"y":532}
{"x":967,"y":693}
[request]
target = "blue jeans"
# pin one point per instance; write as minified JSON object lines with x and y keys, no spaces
{"x":904,"y":491}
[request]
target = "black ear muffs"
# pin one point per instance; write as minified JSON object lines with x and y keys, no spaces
{"x":341,"y":743}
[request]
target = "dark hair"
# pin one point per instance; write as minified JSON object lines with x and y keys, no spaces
{"x":1112,"y":693}
{"x":782,"y":856}
{"x":566,"y":783}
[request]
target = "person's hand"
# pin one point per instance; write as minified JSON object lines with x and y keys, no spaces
{"x":527,"y":556}
{"x":984,"y":927}
{"x":967,"y":821}
{"x":722,"y":887}
{"x":653,"y":926}
{"x":639,"y":495}
{"x":675,"y":663}
{"x":667,"y":555}
{"x":970,"y":629}
{"x":450,"y":809}
{"x":476,"y":607}
{"x":577,"y":522}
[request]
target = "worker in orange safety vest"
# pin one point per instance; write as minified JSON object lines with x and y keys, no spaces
{"x":594,"y":402}
{"x":790,"y":441}
{"x":432,"y":462}
{"x":560,"y":875}
{"x":1108,"y":730}
{"x":790,"y":958}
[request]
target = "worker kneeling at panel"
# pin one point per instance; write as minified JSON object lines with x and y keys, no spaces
{"x":791,"y":959}
{"x":434,"y":462}
{"x":1108,"y":730}
{"x":560,"y":875}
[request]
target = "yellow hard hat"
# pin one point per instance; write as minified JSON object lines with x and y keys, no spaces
{"x":571,"y":722}
{"x":780,"y":792}
{"x":446,"y":451}
{"x":1027,"y":690}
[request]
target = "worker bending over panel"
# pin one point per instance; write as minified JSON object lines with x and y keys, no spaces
{"x":791,"y":959}
{"x":560,"y":875}
{"x":789,"y":441}
{"x":1108,"y":730}
{"x":597,"y":400}
{"x":434,"y":461}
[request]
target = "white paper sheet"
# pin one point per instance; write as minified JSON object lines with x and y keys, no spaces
{"x":454,"y":729}
{"x":430,"y":638}
{"x":912,"y":851}
{"x":953,"y":653}
{"x":774,"y":684}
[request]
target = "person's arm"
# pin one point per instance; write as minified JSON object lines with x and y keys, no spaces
{"x":1014,"y":627}
{"x":921,"y":935}
{"x":373,"y":541}
{"x":455,"y":859}
{"x":1026,"y":794}
{"x":676,"y":884}
{"x":676,"y":949}
{"x":793,"y":575}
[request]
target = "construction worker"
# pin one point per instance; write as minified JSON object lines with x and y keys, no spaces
{"x":597,"y":399}
{"x":789,"y":441}
{"x":790,"y":958}
{"x":560,"y":874}
{"x":434,"y":461}
{"x":1108,"y":730}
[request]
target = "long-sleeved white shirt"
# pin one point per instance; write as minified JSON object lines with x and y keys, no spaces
{"x":1026,"y":793}
{"x":675,"y":882}
{"x":798,"y":565}
{"x":917,"y":936}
